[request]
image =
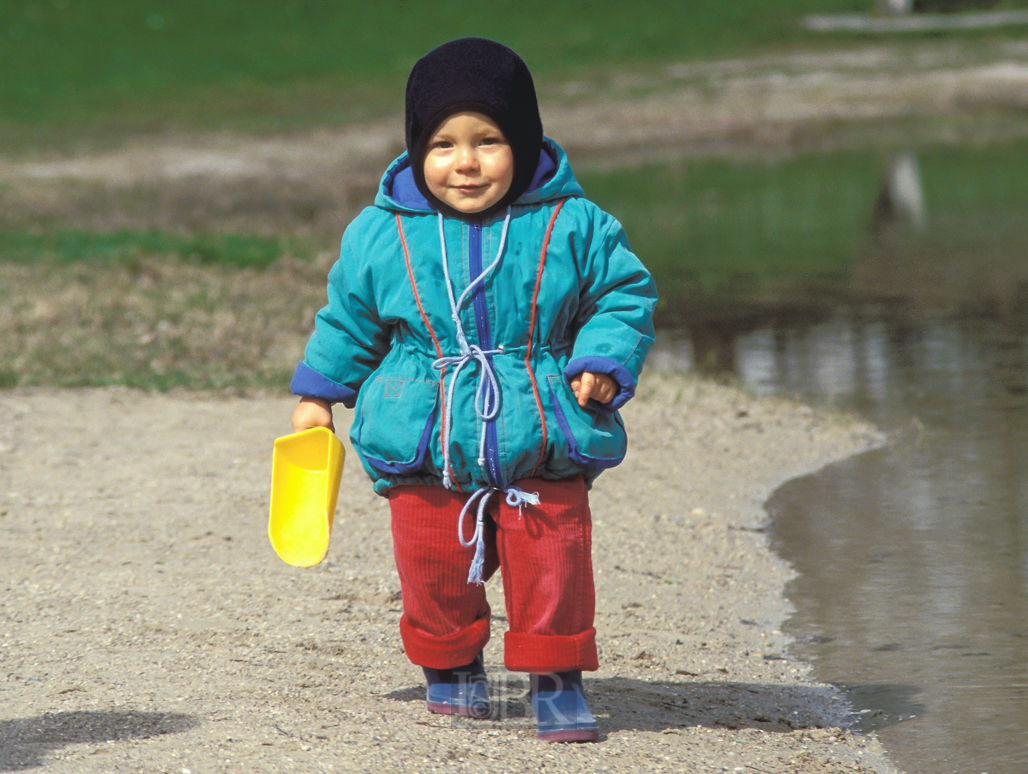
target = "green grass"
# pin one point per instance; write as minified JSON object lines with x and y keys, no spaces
{"x":75,"y":72}
{"x":70,"y":65}
{"x":719,"y":231}
{"x":976,"y":182}
{"x":708,"y":228}
{"x":722,"y":237}
{"x":73,"y":245}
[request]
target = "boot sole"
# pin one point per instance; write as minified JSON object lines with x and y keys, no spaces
{"x":476,"y":712}
{"x":571,"y":735}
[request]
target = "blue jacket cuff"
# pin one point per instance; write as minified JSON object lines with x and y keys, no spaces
{"x":598,"y":364}
{"x":308,"y":383}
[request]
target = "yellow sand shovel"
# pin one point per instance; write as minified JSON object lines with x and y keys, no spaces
{"x":305,"y":472}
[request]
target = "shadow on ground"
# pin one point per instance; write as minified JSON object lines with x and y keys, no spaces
{"x":24,"y":742}
{"x":623,"y":704}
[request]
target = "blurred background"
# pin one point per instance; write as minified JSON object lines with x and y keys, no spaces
{"x":831,"y":194}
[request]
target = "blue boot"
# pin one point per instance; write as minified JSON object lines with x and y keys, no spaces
{"x":459,"y":691}
{"x":561,"y":712}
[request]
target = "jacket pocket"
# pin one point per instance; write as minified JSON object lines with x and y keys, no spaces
{"x":595,"y":439}
{"x":397,"y":417}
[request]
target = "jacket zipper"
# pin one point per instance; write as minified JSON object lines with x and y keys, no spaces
{"x":480,"y":306}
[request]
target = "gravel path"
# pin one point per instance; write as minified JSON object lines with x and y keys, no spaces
{"x":147,"y":626}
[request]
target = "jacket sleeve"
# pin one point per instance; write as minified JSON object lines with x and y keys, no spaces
{"x":349,"y":339}
{"x":615,"y":313}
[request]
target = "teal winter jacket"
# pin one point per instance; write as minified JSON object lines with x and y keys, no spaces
{"x":562,"y":294}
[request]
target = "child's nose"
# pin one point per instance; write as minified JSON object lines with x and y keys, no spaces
{"x":467,"y":159}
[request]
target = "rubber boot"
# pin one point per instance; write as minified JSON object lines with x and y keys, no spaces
{"x":561,"y":711}
{"x":459,"y":691}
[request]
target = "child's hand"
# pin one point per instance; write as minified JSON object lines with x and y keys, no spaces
{"x":312,"y":412}
{"x":600,"y":387}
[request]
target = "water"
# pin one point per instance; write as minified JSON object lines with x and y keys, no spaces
{"x":913,"y":559}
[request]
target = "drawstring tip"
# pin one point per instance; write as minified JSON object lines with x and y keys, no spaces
{"x":478,"y":564}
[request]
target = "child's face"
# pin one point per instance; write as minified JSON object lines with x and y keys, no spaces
{"x":469,"y":164}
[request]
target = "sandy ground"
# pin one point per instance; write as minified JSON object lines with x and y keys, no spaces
{"x":147,"y":626}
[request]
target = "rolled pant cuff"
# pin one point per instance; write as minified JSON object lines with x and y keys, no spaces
{"x":459,"y":649}
{"x":543,"y":653}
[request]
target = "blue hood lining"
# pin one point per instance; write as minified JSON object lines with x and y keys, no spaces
{"x":402,"y":189}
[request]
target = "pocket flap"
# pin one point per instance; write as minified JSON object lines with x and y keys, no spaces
{"x":596,"y":439}
{"x":397,"y":417}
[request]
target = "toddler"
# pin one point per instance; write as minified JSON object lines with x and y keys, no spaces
{"x":485,"y":322}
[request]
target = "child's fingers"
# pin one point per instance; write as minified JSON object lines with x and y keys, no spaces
{"x":604,"y":389}
{"x":311,"y":412}
{"x":576,"y":388}
{"x":585,"y":391}
{"x":600,"y":387}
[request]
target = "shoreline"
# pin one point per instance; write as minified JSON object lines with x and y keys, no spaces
{"x":149,"y":626}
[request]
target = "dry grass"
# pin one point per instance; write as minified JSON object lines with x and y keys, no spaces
{"x":159,"y":323}
{"x":315,"y":209}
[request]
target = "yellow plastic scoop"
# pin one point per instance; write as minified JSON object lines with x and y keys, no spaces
{"x":305,"y":472}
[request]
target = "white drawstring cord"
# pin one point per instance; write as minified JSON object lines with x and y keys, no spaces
{"x":487,"y":393}
{"x":487,"y":406}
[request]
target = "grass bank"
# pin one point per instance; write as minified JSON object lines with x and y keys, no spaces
{"x":77,"y":72}
{"x":214,"y":284}
{"x":722,"y":237}
{"x":155,"y":322}
{"x":62,"y":246}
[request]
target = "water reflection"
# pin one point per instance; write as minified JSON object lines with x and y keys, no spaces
{"x":886,"y":364}
{"x":913,"y":559}
{"x":913,"y":563}
{"x":942,"y":371}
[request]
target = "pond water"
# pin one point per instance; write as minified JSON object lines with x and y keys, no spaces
{"x":913,"y":560}
{"x":912,"y":591}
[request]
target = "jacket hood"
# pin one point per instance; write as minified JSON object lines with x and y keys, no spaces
{"x":553,"y":179}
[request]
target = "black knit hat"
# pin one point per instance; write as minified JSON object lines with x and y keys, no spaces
{"x":481,"y":76}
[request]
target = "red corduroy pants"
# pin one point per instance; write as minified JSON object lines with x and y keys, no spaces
{"x":544,"y":553}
